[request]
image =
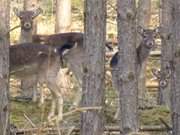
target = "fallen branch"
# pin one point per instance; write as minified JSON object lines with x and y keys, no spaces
{"x":78,"y":110}
{"x":29,"y":120}
{"x":106,"y":129}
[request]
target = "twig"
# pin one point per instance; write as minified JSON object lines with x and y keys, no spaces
{"x":29,"y":120}
{"x":71,"y":130}
{"x":112,"y":6}
{"x":6,"y":34}
{"x":13,"y":28}
{"x":80,"y":109}
{"x":165,"y":124}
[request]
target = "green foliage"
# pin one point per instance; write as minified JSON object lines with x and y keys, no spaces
{"x":157,"y":4}
{"x":77,"y":3}
{"x":47,"y":7}
{"x":35,"y":113}
{"x":151,"y":116}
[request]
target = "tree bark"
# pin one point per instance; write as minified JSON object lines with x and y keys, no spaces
{"x":4,"y":66}
{"x":143,"y":20}
{"x":31,"y":5}
{"x":166,"y":48}
{"x":63,"y":16}
{"x":127,"y":66}
{"x":175,"y":87}
{"x":92,"y":122}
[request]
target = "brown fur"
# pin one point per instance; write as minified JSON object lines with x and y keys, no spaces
{"x":59,"y":39}
{"x":29,"y":58}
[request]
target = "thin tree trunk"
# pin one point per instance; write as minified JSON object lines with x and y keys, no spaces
{"x":4,"y":66}
{"x":166,"y":48}
{"x":63,"y":16}
{"x":175,"y":86}
{"x":92,"y":122}
{"x":127,"y":65}
{"x":143,"y":20}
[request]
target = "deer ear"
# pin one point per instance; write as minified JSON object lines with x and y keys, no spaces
{"x":37,"y":12}
{"x":16,"y":11}
{"x":156,"y":73}
{"x":140,"y":30}
{"x":157,"y":31}
{"x":168,"y":73}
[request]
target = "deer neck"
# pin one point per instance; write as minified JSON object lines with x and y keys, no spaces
{"x":26,"y":36}
{"x":142,"y":52}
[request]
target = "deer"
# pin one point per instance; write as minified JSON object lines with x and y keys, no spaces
{"x":143,"y":50}
{"x":163,"y":77}
{"x":26,"y":23}
{"x":71,"y":43}
{"x":43,"y":61}
{"x":57,"y":40}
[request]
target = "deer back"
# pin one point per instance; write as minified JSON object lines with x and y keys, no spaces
{"x":28,"y":58}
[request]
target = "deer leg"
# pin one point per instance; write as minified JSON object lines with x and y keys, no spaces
{"x":58,"y":98}
{"x":29,"y":85}
{"x":41,"y":97}
{"x":53,"y":108}
{"x":41,"y":90}
{"x":60,"y":107}
{"x":34,"y":96}
{"x":78,"y":96}
{"x":115,"y":86}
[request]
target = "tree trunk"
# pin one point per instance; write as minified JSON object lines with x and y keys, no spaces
{"x":92,"y":122}
{"x":175,"y":86}
{"x":63,"y":16}
{"x":166,"y":48}
{"x":127,"y":66}
{"x":143,"y":20}
{"x":4,"y":66}
{"x":31,"y":5}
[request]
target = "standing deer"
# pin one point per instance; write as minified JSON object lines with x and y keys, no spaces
{"x":26,"y":19}
{"x":58,"y":40}
{"x":143,"y":51}
{"x":73,"y":42}
{"x":28,"y":59}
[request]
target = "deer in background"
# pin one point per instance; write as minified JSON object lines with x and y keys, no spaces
{"x":26,"y":20}
{"x":163,"y":77}
{"x":143,"y":51}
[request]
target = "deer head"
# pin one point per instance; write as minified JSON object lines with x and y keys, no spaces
{"x":148,"y":36}
{"x":26,"y":17}
{"x":162,"y":76}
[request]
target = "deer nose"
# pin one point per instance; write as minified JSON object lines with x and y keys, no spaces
{"x":27,"y":25}
{"x":163,"y":84}
{"x":150,"y":44}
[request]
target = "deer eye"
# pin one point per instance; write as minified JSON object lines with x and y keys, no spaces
{"x":145,"y":35}
{"x":21,"y":17}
